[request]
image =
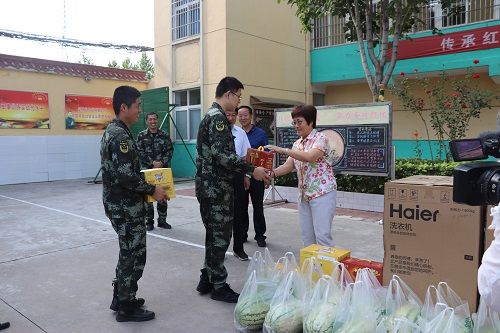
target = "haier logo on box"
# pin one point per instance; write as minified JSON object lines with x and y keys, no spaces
{"x":413,"y":213}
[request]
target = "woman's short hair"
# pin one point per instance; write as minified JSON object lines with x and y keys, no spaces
{"x":307,"y":111}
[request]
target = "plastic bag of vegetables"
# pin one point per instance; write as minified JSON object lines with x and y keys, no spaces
{"x":341,"y":275}
{"x":377,"y":292}
{"x":461,"y":308}
{"x":285,"y":313}
{"x":311,"y":272}
{"x":320,"y":307}
{"x":401,"y":303}
{"x":262,"y":264}
{"x":398,"y":325}
{"x":486,"y":320}
{"x":253,"y":303}
{"x":360,"y":316}
{"x":445,"y":311}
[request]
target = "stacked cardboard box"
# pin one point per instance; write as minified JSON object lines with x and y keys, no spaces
{"x":325,"y":255}
{"x":428,"y":238}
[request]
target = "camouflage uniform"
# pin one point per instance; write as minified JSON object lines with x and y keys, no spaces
{"x":155,"y":147}
{"x":216,"y":161}
{"x":123,"y":190}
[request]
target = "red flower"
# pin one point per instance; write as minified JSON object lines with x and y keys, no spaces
{"x":415,"y":134}
{"x":448,"y":105}
{"x":476,"y":61}
{"x":475,"y":76}
{"x":402,"y":73}
{"x":464,"y":106}
{"x":428,"y":92}
{"x":455,"y":95}
{"x":416,"y":70}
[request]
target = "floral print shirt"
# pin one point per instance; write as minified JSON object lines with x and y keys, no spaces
{"x":315,"y":178}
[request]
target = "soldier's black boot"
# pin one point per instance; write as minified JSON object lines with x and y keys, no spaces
{"x":164,"y":224}
{"x":128,"y":312}
{"x":204,"y":286}
{"x":115,"y":303}
{"x":150,"y":225}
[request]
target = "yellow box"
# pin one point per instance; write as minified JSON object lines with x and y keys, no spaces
{"x":160,"y":176}
{"x":326,"y":255}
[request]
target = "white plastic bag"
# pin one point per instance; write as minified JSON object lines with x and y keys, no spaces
{"x":486,"y":320}
{"x":320,"y":307}
{"x":285,"y":313}
{"x":401,"y":303}
{"x":253,"y":303}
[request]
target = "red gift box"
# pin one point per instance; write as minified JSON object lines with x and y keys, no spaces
{"x":260,"y":158}
{"x":353,"y":265}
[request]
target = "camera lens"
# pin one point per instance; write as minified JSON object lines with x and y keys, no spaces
{"x":490,"y":186}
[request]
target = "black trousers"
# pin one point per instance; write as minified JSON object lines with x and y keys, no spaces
{"x":238,"y":230}
{"x":256,"y":192}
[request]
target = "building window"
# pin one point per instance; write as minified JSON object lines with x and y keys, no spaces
{"x":187,"y":114}
{"x":185,"y":19}
{"x":328,"y":31}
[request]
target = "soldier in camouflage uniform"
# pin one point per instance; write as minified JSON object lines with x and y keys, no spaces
{"x":216,"y":161}
{"x":156,"y":150}
{"x":123,"y":190}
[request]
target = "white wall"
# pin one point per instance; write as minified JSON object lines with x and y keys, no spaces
{"x":28,"y":159}
{"x":350,"y":200}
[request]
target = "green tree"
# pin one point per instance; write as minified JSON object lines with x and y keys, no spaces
{"x":85,"y":60}
{"x":145,"y":64}
{"x":451,"y":101}
{"x":376,"y":26}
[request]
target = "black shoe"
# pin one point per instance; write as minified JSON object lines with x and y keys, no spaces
{"x":149,"y":227}
{"x":261,"y":242}
{"x":225,"y":294}
{"x":164,"y":225}
{"x":241,"y":255}
{"x":204,"y":286}
{"x":4,"y":325}
{"x":134,"y":314}
{"x":115,"y":303}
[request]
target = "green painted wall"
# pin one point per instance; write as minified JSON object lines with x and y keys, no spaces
{"x":181,"y":164}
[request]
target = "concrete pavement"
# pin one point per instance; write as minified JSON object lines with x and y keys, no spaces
{"x":58,"y":253}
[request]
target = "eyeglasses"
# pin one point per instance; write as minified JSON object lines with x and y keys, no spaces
{"x":239,"y":96}
{"x":297,"y":122}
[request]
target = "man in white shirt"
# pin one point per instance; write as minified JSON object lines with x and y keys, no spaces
{"x":241,"y":184}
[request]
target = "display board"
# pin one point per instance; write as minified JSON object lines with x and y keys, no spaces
{"x":360,"y":134}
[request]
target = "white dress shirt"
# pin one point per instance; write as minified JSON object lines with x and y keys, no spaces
{"x":241,"y":142}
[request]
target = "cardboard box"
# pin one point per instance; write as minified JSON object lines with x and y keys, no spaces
{"x":428,"y":238}
{"x":160,"y":176}
{"x":325,"y":255}
{"x":260,"y":158}
{"x":354,"y":264}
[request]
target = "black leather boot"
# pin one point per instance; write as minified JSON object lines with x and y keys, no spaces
{"x":128,"y":312}
{"x":115,"y":302}
{"x":204,"y":286}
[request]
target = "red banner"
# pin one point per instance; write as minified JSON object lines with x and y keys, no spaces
{"x":23,"y":109}
{"x":462,"y":41}
{"x":88,"y":112}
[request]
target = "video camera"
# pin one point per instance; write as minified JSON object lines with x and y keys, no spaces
{"x":477,"y":183}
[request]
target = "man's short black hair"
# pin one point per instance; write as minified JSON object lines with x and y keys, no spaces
{"x":124,"y":95}
{"x":152,"y":113}
{"x":228,"y":83}
{"x":245,"y":107}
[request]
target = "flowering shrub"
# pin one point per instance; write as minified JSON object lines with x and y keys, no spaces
{"x":451,"y":103}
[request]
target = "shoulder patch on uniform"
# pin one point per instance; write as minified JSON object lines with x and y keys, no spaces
{"x":124,"y":147}
{"x":219,"y":125}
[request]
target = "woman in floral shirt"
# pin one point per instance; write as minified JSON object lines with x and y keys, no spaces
{"x":312,"y":158}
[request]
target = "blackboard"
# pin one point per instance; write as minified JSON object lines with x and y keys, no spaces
{"x":362,"y":145}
